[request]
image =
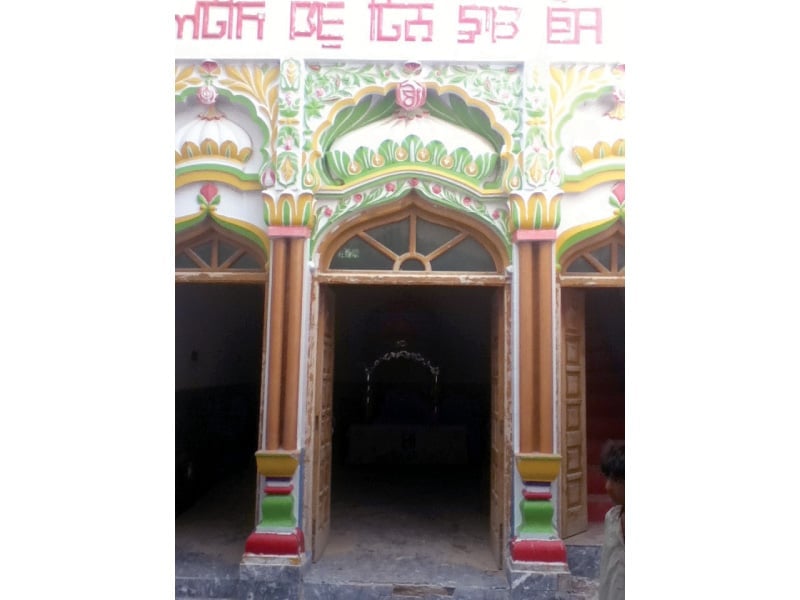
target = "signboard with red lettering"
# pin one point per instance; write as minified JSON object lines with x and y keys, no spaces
{"x":466,"y":30}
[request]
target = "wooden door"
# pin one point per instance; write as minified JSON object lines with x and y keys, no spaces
{"x":499,"y":475}
{"x":323,"y":424}
{"x":573,"y":513}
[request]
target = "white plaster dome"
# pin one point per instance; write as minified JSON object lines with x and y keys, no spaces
{"x":212,"y":137}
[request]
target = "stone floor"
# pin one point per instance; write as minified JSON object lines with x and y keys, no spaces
{"x":393,"y":534}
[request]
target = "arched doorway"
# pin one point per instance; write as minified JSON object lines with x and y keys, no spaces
{"x":411,"y":387}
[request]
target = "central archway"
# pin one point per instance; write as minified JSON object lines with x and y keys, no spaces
{"x":417,"y":278}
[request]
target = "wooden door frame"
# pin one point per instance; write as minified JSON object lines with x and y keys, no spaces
{"x":603,"y":278}
{"x":575,"y":372}
{"x":502,"y":394}
{"x":312,"y":444}
{"x":501,"y":279}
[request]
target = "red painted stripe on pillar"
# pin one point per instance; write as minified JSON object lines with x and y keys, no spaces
{"x":551,"y":551}
{"x":275,"y":544}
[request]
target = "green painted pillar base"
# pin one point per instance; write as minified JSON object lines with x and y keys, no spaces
{"x":277,"y":532}
{"x":537,"y":540}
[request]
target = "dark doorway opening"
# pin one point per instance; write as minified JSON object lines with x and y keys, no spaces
{"x":605,"y":386}
{"x":411,"y":405}
{"x":219,"y":332}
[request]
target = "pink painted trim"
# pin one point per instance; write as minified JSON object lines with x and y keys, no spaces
{"x":295,"y":231}
{"x":535,"y":235}
{"x":279,"y":490}
{"x":537,"y":495}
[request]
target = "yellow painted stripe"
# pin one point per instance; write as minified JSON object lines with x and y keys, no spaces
{"x":538,"y":467}
{"x":276,"y":464}
{"x":218,"y":176}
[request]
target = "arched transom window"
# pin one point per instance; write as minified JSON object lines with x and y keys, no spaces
{"x":211,"y":251}
{"x":413,"y":241}
{"x":599,"y":260}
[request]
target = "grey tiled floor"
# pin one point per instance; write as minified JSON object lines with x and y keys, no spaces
{"x":387,"y":526}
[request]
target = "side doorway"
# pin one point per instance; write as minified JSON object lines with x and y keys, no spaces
{"x":592,"y":374}
{"x":220,"y":305}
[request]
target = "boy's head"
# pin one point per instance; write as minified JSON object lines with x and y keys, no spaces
{"x":612,"y":465}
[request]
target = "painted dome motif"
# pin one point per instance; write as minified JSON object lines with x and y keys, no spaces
{"x":214,"y":138}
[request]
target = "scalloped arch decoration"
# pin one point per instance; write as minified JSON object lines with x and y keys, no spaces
{"x":373,"y":102}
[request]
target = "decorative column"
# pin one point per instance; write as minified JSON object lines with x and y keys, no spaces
{"x":277,"y":460}
{"x":535,"y":216}
{"x":288,"y":212}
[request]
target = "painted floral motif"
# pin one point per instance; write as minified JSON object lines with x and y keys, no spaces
{"x":412,"y":68}
{"x":207,"y":94}
{"x":209,"y":68}
{"x":208,"y":196}
{"x":500,"y":87}
{"x":539,"y":158}
{"x":288,"y":140}
{"x":327,"y":84}
{"x":185,"y":76}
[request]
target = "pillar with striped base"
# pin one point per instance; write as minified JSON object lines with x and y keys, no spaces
{"x":537,"y":539}
{"x":277,"y":534}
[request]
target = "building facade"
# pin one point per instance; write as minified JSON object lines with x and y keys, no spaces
{"x":435,"y":247}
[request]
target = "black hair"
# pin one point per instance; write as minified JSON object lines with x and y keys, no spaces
{"x":612,"y":460}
